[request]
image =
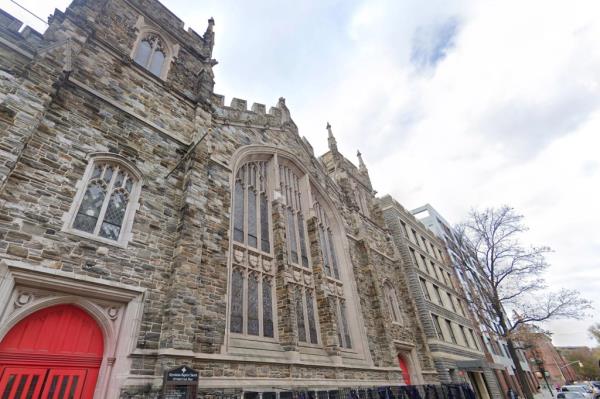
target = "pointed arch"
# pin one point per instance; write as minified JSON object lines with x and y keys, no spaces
{"x":153,"y":50}
{"x":352,"y":336}
{"x":106,"y":200}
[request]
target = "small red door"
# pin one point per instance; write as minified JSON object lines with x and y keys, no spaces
{"x":54,"y":353}
{"x":404,"y":370}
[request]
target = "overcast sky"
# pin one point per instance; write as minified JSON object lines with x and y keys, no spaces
{"x":459,"y":104}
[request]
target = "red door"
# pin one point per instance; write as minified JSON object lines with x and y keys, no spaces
{"x":404,"y":370}
{"x":54,"y":353}
{"x":20,"y":381}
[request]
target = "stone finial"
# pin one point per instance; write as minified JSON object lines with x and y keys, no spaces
{"x":209,"y":35}
{"x":330,"y":139}
{"x":211,"y":24}
{"x":361,"y":165}
{"x":286,"y":117}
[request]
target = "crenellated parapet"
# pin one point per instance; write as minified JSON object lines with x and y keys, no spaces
{"x":23,"y":38}
{"x":237,"y":112}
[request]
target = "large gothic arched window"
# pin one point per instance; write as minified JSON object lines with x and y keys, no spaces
{"x":260,"y":179}
{"x":252,"y":278}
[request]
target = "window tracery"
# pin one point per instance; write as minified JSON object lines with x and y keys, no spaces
{"x":151,"y":53}
{"x":253,"y":304}
{"x":331,"y":268}
{"x":106,"y":197}
{"x":252,"y":276}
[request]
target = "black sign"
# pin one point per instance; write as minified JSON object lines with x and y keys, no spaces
{"x":182,"y":374}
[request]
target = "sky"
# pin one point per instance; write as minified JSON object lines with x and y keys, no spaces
{"x":460,"y":104}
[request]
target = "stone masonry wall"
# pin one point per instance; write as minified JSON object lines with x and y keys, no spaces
{"x":74,"y":92}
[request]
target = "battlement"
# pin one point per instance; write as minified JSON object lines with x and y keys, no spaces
{"x":13,"y":29}
{"x":237,"y":111}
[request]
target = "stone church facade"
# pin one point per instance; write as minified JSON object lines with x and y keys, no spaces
{"x":172,"y":229}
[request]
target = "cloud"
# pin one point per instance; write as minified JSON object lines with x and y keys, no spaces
{"x":457,"y":103}
{"x":430,"y":44}
{"x":461,"y":104}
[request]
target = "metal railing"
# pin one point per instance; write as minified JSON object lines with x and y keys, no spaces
{"x":444,"y":391}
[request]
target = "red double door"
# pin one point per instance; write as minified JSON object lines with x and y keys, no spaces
{"x":54,"y":353}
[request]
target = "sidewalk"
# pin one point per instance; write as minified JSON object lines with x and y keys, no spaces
{"x":544,"y":394}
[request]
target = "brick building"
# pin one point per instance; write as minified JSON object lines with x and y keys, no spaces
{"x":163,"y":228}
{"x":547,"y":360}
{"x":451,"y":334}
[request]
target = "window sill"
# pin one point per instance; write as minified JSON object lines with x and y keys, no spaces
{"x":309,"y":345}
{"x":397,"y":323}
{"x":119,"y":244}
{"x":255,"y":338}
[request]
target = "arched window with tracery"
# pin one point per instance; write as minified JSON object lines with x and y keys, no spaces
{"x":327,"y":243}
{"x":294,"y":189}
{"x":252,"y":279}
{"x":104,"y":205}
{"x":151,"y":53}
{"x":392,"y":301}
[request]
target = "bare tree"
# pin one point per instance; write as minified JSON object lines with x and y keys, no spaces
{"x":510,"y":276}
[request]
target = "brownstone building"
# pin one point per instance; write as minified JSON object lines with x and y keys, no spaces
{"x":547,"y":361}
{"x":163,"y":228}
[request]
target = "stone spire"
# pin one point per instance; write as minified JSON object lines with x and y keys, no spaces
{"x":331,"y":140}
{"x":361,"y":165}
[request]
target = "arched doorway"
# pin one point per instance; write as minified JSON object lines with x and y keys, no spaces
{"x":404,"y":369}
{"x":54,"y":353}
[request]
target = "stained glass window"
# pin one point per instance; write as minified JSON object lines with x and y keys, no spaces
{"x":292,"y":236}
{"x":310,"y":311}
{"x":150,"y":54}
{"x":252,"y":296}
{"x":87,"y":217}
{"x":336,"y":273}
{"x":264,"y":223}
{"x":251,"y":188}
{"x":157,"y":61}
{"x":143,"y":52}
{"x":291,"y":189}
{"x":324,"y":251}
{"x":330,"y":262}
{"x":113,"y":218}
{"x":237,"y":301}
{"x":253,"y":305}
{"x":252,"y":235}
{"x":302,"y":240}
{"x":104,"y":205}
{"x":300,"y":315}
{"x":267,"y":308}
{"x":238,"y":213}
